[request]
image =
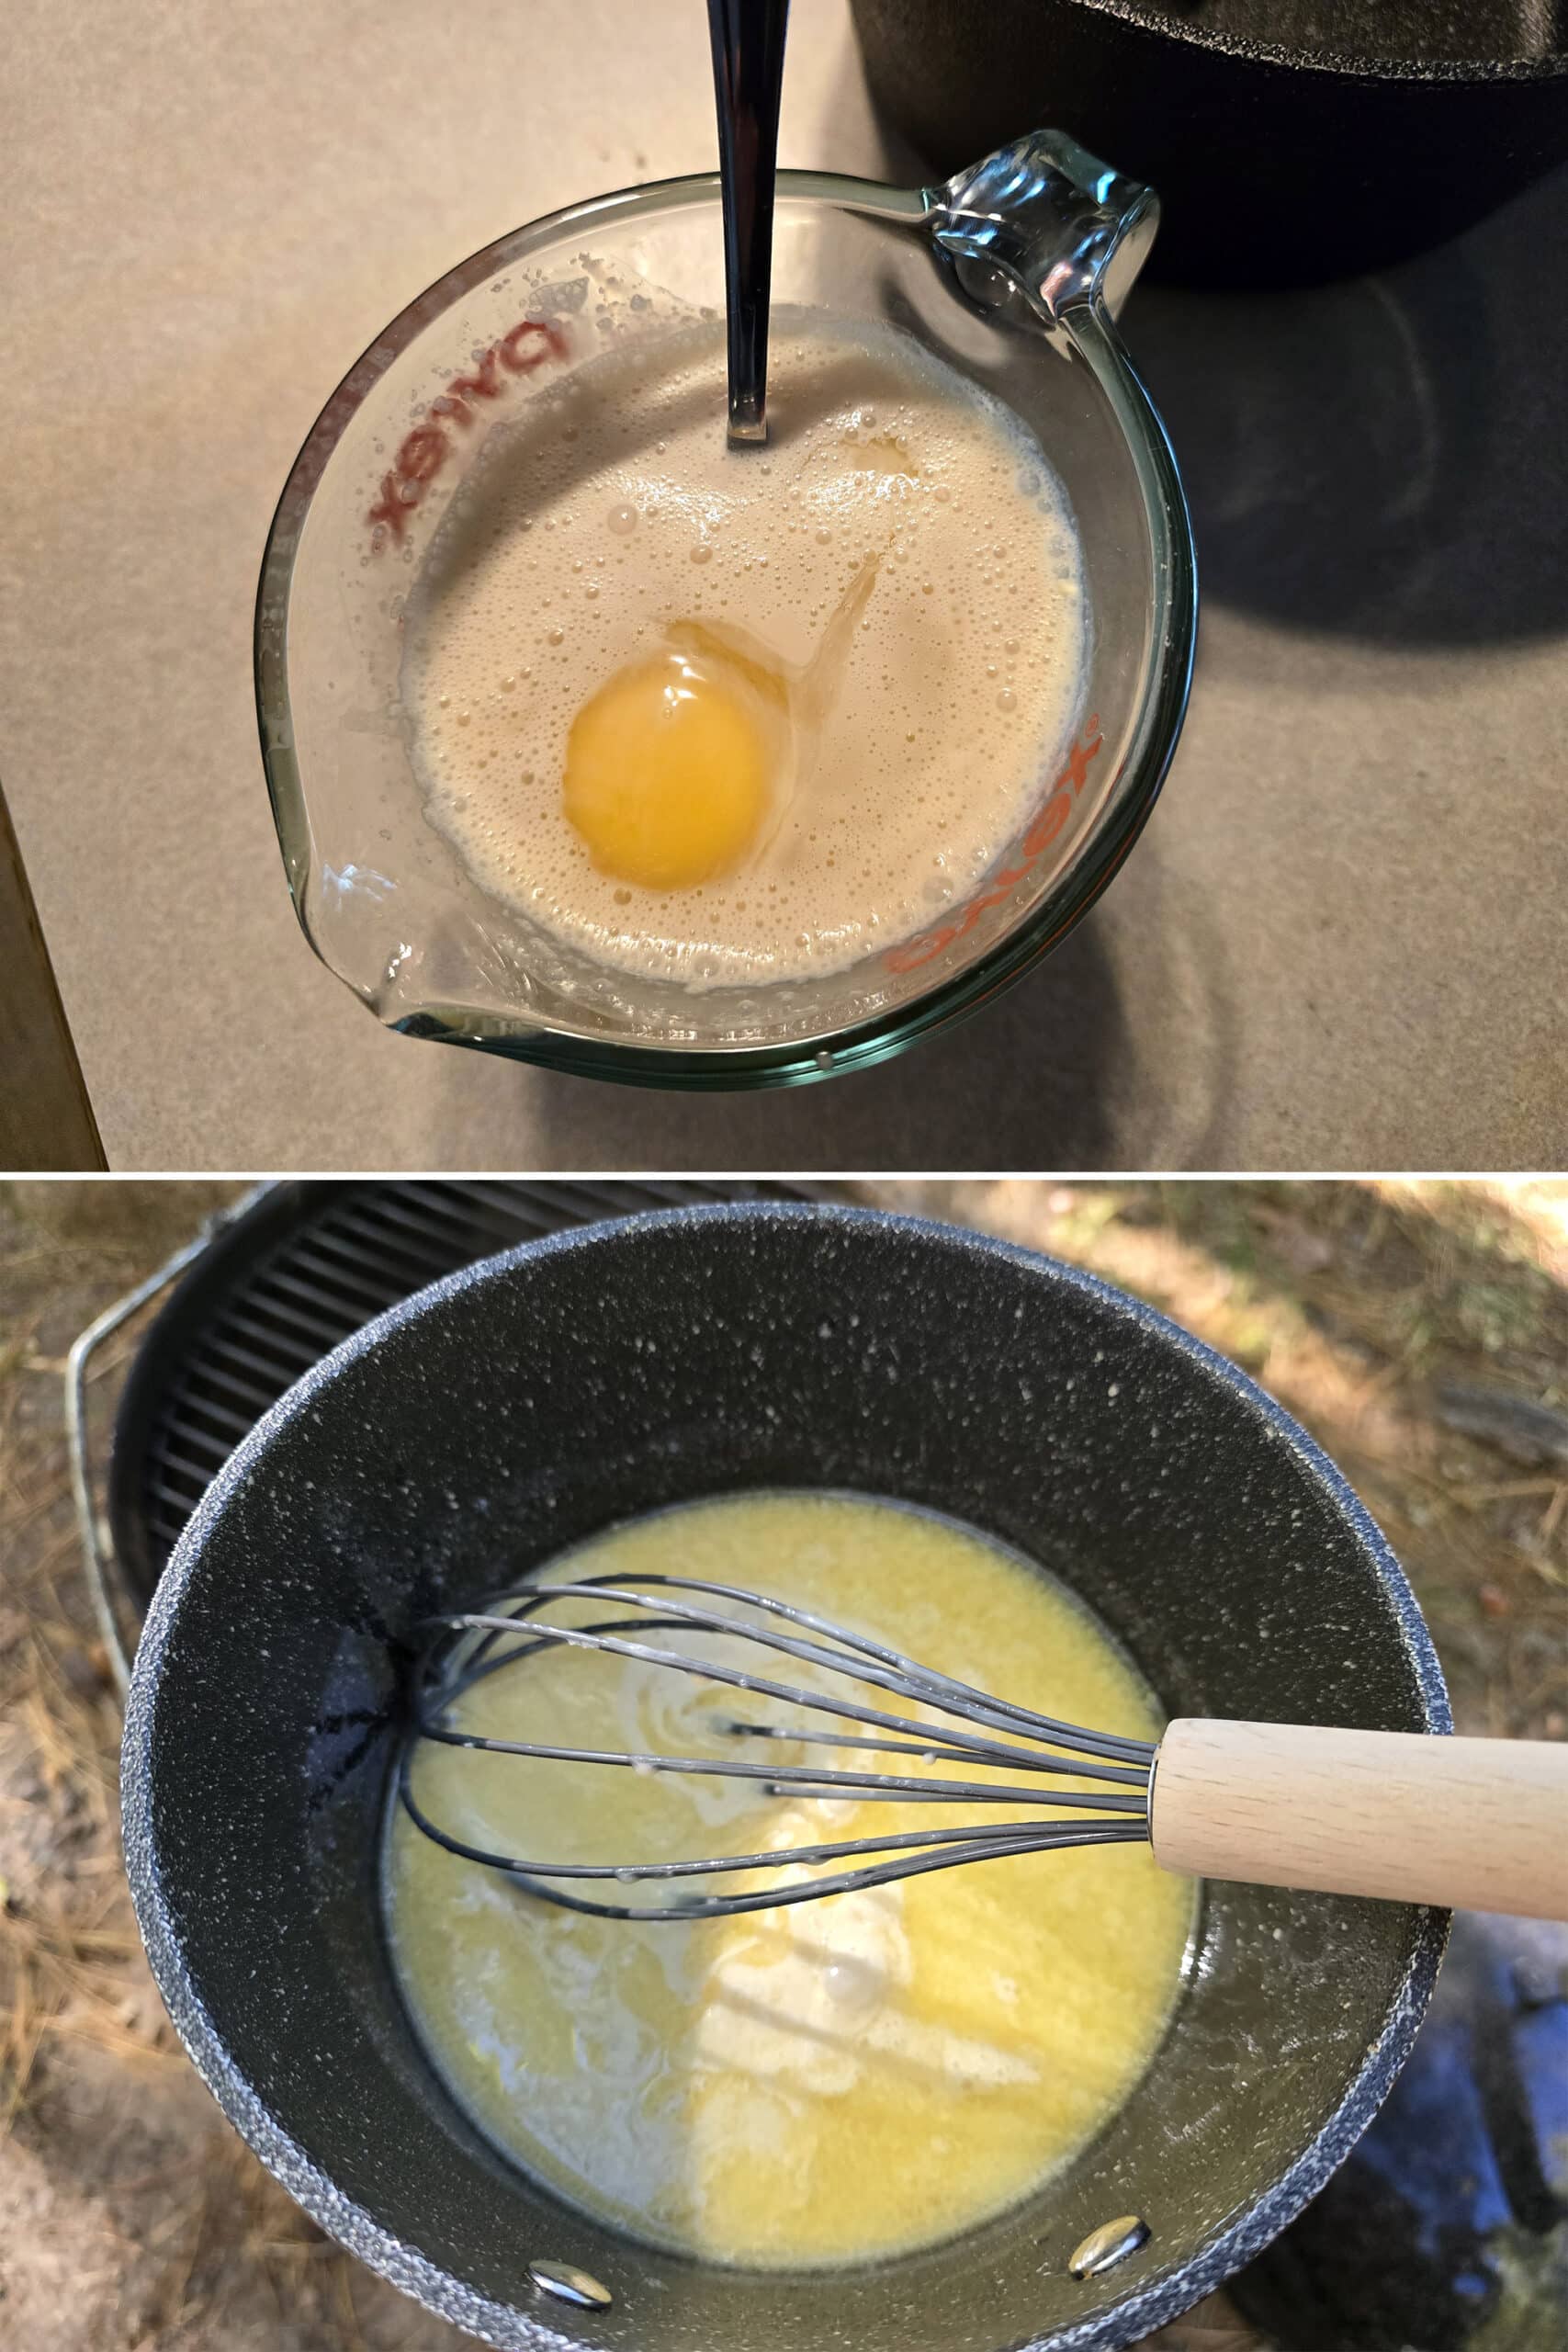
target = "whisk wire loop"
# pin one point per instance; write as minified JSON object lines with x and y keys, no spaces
{"x":464,"y":1648}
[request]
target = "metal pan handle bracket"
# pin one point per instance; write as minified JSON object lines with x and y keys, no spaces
{"x":97,"y":1558}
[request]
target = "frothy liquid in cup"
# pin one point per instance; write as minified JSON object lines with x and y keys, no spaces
{"x":731,"y":717}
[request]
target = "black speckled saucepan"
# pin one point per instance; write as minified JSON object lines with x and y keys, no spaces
{"x":528,"y":1402}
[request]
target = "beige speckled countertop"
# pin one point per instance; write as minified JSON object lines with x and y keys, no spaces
{"x":1343,"y":939}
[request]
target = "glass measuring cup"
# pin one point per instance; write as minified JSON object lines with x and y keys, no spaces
{"x":1012,"y":274}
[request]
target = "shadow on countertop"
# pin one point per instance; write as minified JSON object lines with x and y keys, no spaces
{"x":1060,"y":1072}
{"x":1019,"y":1084}
{"x":1387,"y":456}
{"x":1384,"y":457}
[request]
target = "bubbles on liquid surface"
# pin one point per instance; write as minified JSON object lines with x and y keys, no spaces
{"x":648,"y":521}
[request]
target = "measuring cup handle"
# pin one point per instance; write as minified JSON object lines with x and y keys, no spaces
{"x":1062,"y":225}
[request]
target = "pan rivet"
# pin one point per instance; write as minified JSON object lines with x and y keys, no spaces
{"x":569,"y":2285}
{"x":1105,"y":2247}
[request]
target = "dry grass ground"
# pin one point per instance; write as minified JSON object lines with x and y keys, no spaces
{"x":1421,"y":1333}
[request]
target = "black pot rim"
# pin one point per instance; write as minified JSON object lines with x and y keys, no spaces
{"x":1349,"y":64}
{"x":506,"y":2325}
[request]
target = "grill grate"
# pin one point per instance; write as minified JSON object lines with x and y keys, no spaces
{"x":273,"y":1293}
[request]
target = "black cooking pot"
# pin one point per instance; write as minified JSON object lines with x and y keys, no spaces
{"x":528,"y":1402}
{"x":1291,"y":141}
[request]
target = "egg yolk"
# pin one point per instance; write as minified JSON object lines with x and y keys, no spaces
{"x":667,"y":772}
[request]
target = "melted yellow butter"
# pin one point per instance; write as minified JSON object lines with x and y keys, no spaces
{"x":833,"y":2081}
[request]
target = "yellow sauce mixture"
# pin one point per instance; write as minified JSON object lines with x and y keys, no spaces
{"x":826,"y":2083}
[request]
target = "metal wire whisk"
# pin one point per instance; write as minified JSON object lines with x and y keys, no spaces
{"x":976,"y":1730}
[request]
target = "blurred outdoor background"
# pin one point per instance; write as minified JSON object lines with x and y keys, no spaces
{"x":1419,"y":1330}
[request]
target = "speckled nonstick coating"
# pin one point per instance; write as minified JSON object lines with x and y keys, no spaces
{"x":533,"y":1400}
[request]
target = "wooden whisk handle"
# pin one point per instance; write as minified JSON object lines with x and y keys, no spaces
{"x":1480,"y":1824}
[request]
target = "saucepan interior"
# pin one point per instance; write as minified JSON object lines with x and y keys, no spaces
{"x":527,"y":1403}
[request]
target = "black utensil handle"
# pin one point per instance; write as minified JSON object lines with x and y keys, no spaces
{"x":748,"y":70}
